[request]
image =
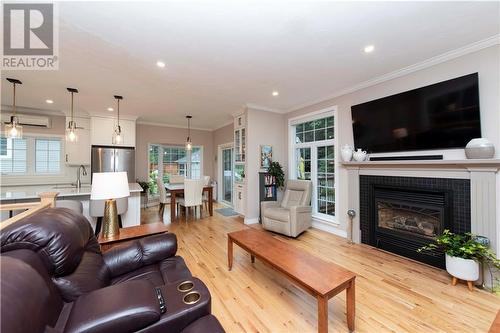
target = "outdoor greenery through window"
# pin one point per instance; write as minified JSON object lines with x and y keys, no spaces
{"x":165,"y":161}
{"x":314,"y":159}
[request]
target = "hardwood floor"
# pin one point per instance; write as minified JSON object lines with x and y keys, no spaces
{"x":393,"y":294}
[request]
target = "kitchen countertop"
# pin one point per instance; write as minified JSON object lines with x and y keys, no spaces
{"x":65,"y":190}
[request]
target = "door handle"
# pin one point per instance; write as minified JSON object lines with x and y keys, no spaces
{"x":66,"y":157}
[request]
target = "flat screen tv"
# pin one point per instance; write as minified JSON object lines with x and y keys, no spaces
{"x":444,"y":115}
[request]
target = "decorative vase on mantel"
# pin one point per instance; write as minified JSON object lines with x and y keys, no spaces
{"x":346,"y":153}
{"x":359,"y":155}
{"x":479,"y":148}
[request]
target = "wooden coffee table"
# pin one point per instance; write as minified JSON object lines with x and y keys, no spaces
{"x":319,"y":278}
{"x":131,"y":233}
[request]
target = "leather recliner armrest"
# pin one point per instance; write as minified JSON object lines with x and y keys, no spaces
{"x":125,"y":307}
{"x":141,"y":252}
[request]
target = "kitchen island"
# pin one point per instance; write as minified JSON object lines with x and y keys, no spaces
{"x":17,"y":194}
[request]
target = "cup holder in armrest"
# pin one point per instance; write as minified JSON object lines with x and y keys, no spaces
{"x":185,"y":286}
{"x":191,"y":298}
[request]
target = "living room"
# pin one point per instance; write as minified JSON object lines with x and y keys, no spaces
{"x":210,"y":167}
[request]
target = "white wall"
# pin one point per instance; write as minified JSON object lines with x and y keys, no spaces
{"x":68,"y":173}
{"x":486,"y":62}
{"x":263,"y":128}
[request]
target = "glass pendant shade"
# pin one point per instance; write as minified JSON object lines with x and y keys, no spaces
{"x":71,"y":135}
{"x":13,"y":130}
{"x":189,"y":144}
{"x":117,"y":136}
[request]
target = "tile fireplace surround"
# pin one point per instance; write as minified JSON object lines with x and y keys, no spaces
{"x":484,"y":196}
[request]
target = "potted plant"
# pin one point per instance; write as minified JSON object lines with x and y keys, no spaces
{"x":276,"y":170}
{"x":463,"y":254}
{"x":145,"y":190}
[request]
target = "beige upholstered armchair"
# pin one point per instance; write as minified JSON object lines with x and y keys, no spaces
{"x":292,"y":215}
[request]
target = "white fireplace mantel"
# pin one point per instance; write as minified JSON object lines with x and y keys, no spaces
{"x":483,"y":186}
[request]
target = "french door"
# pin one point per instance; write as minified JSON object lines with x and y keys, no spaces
{"x":317,"y":163}
{"x":313,"y":142}
{"x":227,"y":175}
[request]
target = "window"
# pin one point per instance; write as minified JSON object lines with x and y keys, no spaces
{"x":47,"y":156}
{"x":175,"y":160}
{"x":30,"y":156}
{"x":313,"y":143}
{"x":13,"y":156}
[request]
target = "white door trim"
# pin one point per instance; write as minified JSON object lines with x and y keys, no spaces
{"x":220,"y":171}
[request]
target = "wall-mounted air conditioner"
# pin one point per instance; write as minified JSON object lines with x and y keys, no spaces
{"x":28,"y":120}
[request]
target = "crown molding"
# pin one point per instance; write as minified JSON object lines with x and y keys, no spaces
{"x":150,"y":123}
{"x":264,"y":108}
{"x":110,"y":115}
{"x":224,"y":125}
{"x":447,"y":56}
{"x":33,"y":111}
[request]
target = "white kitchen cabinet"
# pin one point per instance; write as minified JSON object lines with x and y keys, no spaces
{"x":239,"y":198}
{"x":239,"y":121}
{"x":102,"y":131}
{"x":78,"y":153}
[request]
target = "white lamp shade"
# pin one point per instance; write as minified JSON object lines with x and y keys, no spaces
{"x":109,"y":185}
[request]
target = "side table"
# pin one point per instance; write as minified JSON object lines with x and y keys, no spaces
{"x":131,"y":233}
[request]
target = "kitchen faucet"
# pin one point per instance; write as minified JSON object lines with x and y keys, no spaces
{"x":78,"y":182}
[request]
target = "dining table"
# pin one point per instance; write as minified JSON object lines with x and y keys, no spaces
{"x":177,"y":189}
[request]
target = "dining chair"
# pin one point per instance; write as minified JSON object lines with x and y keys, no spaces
{"x":163,"y":195}
{"x":96,"y":209}
{"x":176,"y":179}
{"x":206,"y":182}
{"x":193,"y":189}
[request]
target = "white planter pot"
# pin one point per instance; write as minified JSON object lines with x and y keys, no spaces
{"x":463,"y":269}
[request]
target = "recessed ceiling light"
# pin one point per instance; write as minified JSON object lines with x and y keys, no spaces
{"x":111,"y":109}
{"x":369,"y":48}
{"x":275,"y":93}
{"x":49,"y":101}
{"x":160,"y":64}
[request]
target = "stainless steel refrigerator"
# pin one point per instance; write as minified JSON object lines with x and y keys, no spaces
{"x":114,"y":159}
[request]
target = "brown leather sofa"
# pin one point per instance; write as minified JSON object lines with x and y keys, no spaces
{"x":54,"y":278}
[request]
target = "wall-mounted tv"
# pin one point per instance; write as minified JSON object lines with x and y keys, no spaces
{"x":444,"y":115}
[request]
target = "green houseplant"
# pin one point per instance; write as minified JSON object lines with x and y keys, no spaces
{"x":276,"y":170}
{"x":463,"y":253}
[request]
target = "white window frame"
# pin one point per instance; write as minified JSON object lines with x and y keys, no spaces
{"x":160,"y":158}
{"x":293,"y":146}
{"x":31,"y":157}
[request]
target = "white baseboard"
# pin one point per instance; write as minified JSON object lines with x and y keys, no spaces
{"x":328,"y":227}
{"x":251,"y":220}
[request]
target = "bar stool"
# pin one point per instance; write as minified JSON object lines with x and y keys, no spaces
{"x":74,"y":205}
{"x":96,"y":209}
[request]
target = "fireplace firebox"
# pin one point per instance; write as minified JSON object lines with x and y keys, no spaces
{"x":402,"y":214}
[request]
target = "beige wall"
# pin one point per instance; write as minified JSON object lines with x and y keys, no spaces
{"x":221,"y":136}
{"x":146,"y":134}
{"x":485,"y":62}
{"x":263,"y":128}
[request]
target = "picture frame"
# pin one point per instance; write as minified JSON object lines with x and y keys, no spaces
{"x":266,"y":156}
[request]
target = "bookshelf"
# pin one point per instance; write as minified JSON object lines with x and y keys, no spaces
{"x":267,"y":189}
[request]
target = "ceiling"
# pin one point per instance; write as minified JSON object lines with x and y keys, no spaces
{"x":222,"y":55}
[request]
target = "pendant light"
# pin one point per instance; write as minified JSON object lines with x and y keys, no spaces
{"x":189,"y":144}
{"x":12,"y":129}
{"x":117,"y":134}
{"x":71,"y":135}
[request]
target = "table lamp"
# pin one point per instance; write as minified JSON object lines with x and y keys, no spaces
{"x":109,"y":186}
